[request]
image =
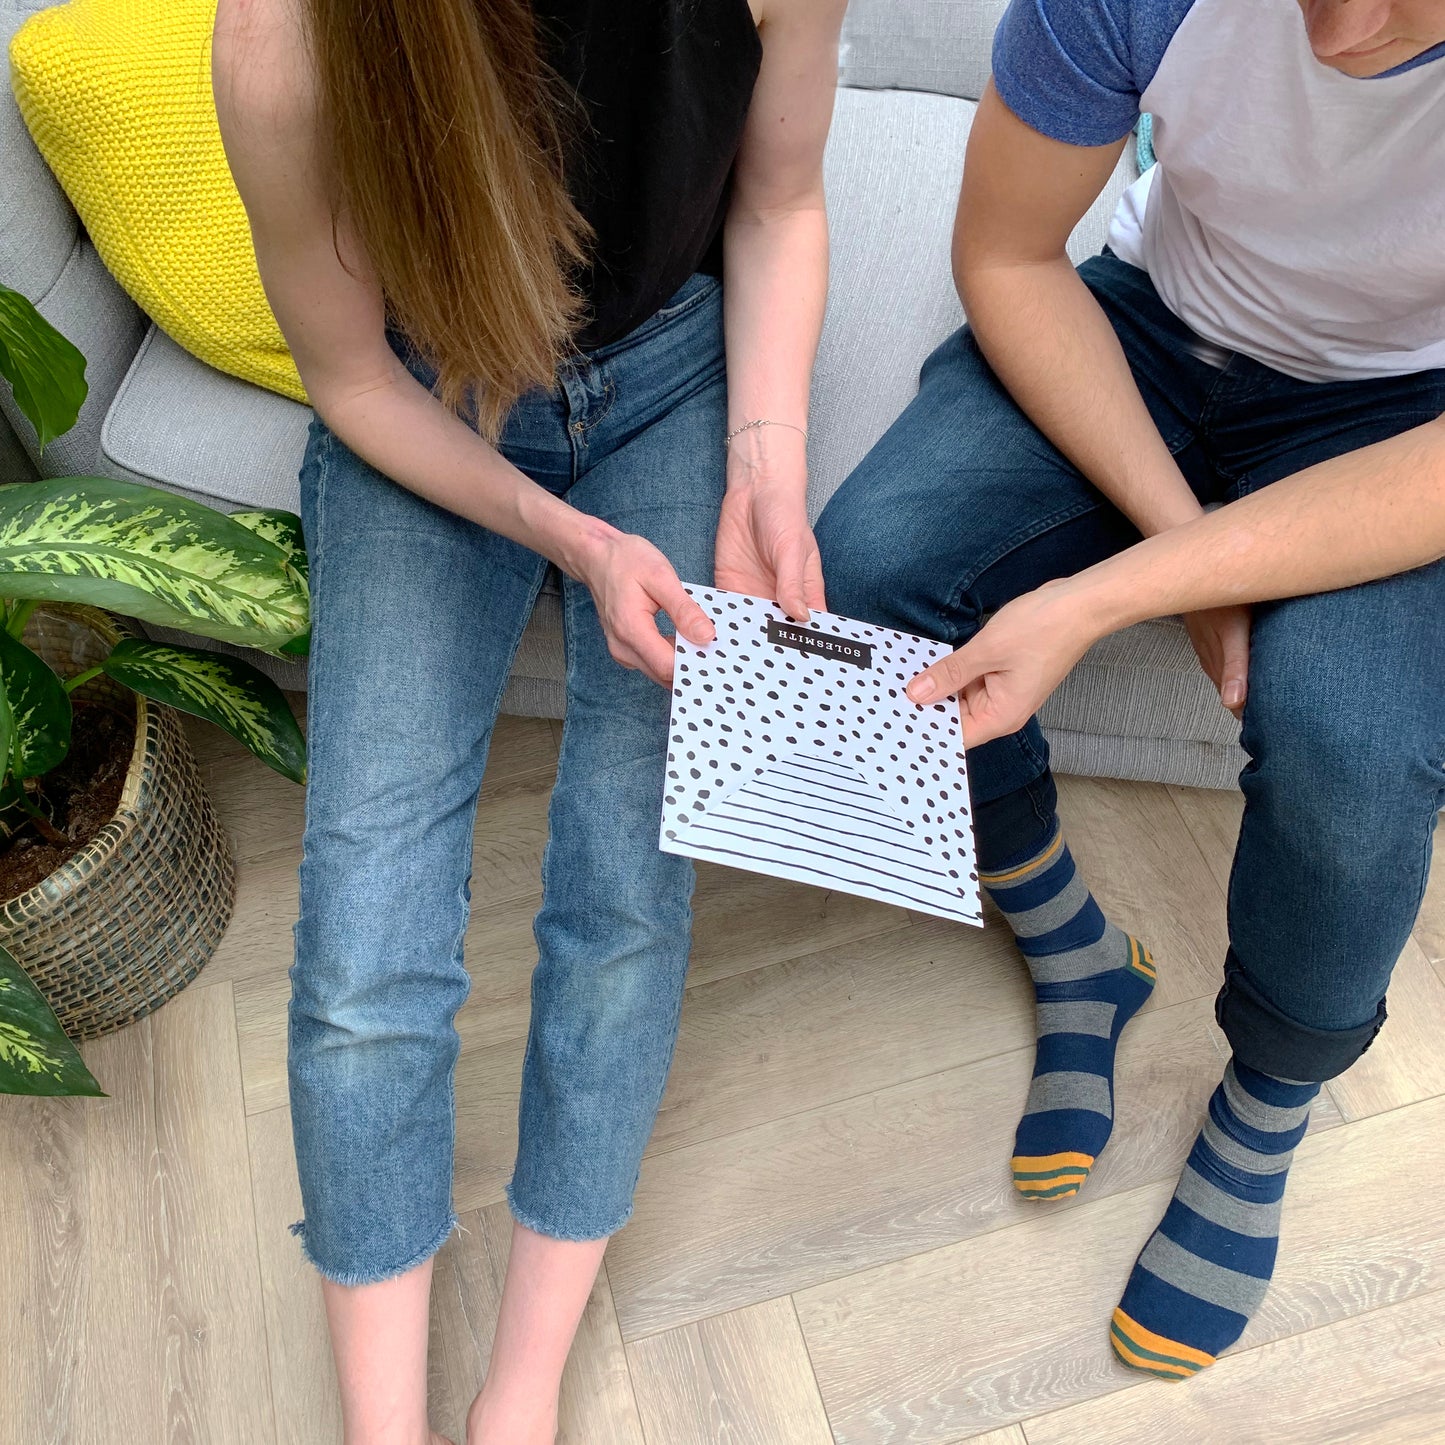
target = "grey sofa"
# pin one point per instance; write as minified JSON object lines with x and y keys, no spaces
{"x":911,"y":70}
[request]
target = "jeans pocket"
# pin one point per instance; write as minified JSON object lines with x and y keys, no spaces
{"x":698,"y":289}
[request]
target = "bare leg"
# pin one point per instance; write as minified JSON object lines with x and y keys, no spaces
{"x":379,"y":1340}
{"x":548,"y":1282}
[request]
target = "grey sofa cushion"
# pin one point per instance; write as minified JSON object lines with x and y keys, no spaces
{"x":1146,"y":760}
{"x":189,"y":427}
{"x":892,"y":171}
{"x":1099,"y":696}
{"x":939,"y":45}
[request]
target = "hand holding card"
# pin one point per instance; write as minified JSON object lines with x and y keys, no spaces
{"x":794,"y":751}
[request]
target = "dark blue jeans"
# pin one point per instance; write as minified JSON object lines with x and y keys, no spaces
{"x":964,"y":505}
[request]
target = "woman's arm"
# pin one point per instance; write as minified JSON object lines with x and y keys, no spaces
{"x":1367,"y":514}
{"x":332,"y":316}
{"x":775,"y":288}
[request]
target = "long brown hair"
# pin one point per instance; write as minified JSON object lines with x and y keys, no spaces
{"x":445,"y":142}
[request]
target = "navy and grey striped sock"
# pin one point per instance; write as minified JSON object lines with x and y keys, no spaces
{"x":1090,"y":978}
{"x":1206,"y":1269}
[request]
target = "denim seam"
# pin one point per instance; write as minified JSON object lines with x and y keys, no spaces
{"x":1432,"y":821}
{"x":609,"y":395}
{"x":1239,"y":388}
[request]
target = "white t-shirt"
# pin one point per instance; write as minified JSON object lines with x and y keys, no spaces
{"x":1296,"y":215}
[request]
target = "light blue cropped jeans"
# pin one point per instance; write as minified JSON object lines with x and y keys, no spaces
{"x":417,"y":614}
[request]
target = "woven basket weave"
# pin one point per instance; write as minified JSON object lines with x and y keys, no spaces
{"x":132,"y":918}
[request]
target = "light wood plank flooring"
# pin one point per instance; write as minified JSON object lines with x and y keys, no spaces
{"x":826,"y":1246}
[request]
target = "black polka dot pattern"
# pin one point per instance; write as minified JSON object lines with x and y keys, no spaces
{"x":809,"y":767}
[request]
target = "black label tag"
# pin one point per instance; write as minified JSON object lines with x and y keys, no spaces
{"x":824,"y":644}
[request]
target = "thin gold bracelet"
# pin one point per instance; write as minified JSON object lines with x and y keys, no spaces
{"x":761,"y":421}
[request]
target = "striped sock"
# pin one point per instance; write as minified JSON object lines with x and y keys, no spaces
{"x":1090,"y":979}
{"x":1206,"y":1268}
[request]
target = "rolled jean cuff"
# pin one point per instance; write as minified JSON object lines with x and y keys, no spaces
{"x":1016,"y":827}
{"x":1266,"y":1039}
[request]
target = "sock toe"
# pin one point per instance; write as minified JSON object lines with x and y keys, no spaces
{"x":1051,"y":1176}
{"x":1152,"y":1353}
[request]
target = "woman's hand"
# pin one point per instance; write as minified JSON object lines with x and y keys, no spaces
{"x":1003,"y":674}
{"x":765,"y":545}
{"x":1221,"y":642}
{"x":631,"y":582}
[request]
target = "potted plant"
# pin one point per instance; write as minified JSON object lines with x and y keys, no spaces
{"x":133,"y":912}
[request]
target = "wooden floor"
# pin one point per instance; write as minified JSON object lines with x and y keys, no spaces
{"x":826,"y":1247}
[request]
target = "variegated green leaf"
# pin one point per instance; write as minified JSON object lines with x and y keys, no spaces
{"x":228,"y":692}
{"x":150,"y":554}
{"x":35,"y":1055}
{"x":37,"y":709}
{"x":284,"y":529}
{"x":46,"y":373}
{"x":278,"y":526}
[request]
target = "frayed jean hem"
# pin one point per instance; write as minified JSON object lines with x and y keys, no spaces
{"x":353,"y":1277}
{"x":549,"y":1231}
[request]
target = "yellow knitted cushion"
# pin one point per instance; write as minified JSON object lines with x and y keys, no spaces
{"x":117,"y":94}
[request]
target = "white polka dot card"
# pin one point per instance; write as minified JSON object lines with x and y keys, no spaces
{"x":794,"y":751}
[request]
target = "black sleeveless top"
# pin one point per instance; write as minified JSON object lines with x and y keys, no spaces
{"x":664,"y":88}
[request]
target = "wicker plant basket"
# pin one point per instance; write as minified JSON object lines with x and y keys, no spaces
{"x":132,"y":918}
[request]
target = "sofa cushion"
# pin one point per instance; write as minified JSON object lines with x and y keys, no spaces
{"x":938,"y":45}
{"x":181,"y":423}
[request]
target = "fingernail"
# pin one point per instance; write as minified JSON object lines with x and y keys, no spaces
{"x":1233,"y":694}
{"x":922,"y":688}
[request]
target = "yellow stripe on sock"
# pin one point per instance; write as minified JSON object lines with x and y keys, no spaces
{"x":992,"y":880}
{"x":1067,"y":1188}
{"x":1038,"y":1164}
{"x":1150,"y":1341}
{"x":1161,"y":1368}
{"x":1140,"y":960}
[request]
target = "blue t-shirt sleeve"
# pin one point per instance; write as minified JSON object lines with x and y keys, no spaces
{"x":1074,"y":69}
